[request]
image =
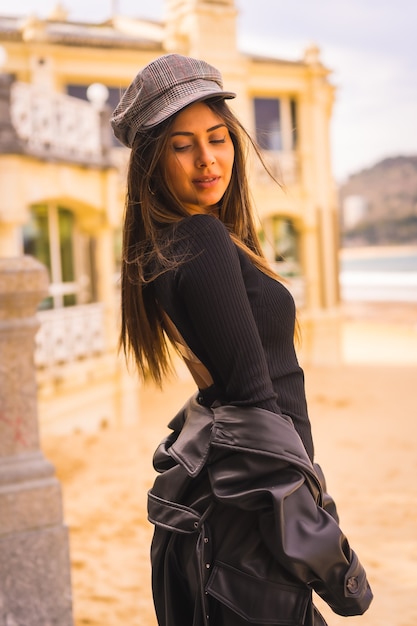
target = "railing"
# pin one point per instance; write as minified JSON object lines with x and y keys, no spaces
{"x":284,"y":166}
{"x":53,"y":124}
{"x":69,"y":334}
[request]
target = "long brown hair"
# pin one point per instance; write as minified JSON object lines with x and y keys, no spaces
{"x":151,"y":206}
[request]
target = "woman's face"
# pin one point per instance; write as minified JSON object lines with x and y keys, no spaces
{"x":199,"y":158}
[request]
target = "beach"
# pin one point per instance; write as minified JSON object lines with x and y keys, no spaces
{"x":363,"y":412}
{"x":379,"y":274}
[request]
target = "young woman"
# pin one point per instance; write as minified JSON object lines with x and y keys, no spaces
{"x":243,"y":529}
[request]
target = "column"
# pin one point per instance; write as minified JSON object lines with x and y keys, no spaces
{"x":35,"y":586}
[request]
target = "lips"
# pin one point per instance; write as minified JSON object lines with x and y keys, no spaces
{"x":206,"y":181}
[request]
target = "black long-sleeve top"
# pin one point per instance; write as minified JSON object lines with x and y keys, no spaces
{"x":236,"y":319}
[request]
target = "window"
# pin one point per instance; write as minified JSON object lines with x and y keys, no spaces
{"x":294,"y":124}
{"x":280,"y":241}
{"x":52,"y":236}
{"x":276,"y":123}
{"x":268,"y":123}
{"x":285,"y":240}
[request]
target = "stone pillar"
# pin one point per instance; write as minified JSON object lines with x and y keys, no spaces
{"x":35,"y":585}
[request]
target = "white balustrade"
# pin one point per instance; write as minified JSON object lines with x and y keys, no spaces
{"x":69,"y":334}
{"x":282,"y":165}
{"x":56,"y":124}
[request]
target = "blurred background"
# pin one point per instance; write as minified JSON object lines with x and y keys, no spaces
{"x":329,"y":92}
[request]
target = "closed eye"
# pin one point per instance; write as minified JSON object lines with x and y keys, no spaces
{"x":181,"y":148}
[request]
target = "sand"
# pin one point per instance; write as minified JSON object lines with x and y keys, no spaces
{"x":363,"y":413}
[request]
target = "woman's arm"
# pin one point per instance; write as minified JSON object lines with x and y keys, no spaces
{"x":212,"y":292}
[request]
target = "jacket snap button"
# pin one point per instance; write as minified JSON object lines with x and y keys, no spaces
{"x":195,"y":524}
{"x":205,"y":539}
{"x":352,"y":584}
{"x":208,"y":565}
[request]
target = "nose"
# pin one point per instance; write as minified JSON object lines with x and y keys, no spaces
{"x":205,"y":157}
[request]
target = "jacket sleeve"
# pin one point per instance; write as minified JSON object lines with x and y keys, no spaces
{"x":298,"y":531}
{"x":328,"y":504}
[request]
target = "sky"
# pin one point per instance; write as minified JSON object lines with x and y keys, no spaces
{"x":370,"y":46}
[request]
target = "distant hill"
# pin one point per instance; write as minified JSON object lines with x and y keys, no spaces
{"x":379,"y":204}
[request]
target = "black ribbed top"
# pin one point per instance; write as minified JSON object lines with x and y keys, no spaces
{"x":238,"y":321}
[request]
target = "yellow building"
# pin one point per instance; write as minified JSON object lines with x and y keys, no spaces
{"x":62,"y":179}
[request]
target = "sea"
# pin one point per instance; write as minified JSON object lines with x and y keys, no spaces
{"x":379,"y":274}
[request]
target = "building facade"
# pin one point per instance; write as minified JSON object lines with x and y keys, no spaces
{"x":62,"y":179}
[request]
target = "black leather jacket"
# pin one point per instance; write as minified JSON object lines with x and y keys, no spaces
{"x":242,"y":525}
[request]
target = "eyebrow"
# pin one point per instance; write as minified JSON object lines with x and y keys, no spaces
{"x":188,"y":134}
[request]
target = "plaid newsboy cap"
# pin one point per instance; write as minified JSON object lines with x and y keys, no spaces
{"x":161,"y":89}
